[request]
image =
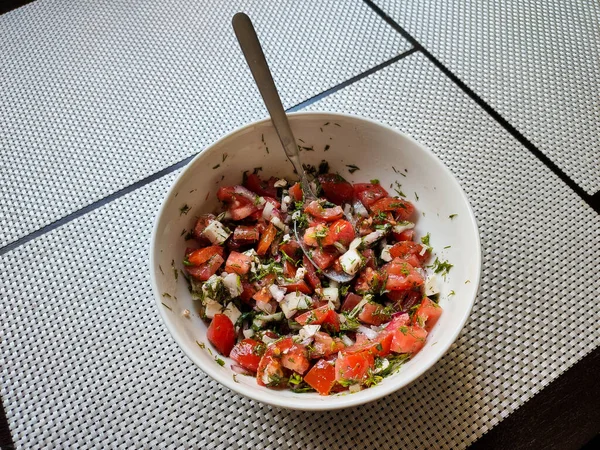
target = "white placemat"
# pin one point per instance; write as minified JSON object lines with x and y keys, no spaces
{"x":536,"y":63}
{"x":85,"y":359}
{"x":96,"y":95}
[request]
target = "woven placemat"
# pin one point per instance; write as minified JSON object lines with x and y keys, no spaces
{"x":96,"y":95}
{"x":536,"y":63}
{"x":85,"y":359}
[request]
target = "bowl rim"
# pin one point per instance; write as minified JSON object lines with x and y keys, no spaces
{"x":340,"y":402}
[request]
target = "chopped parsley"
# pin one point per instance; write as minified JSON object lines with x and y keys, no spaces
{"x":451,"y":293}
{"x":201,"y":345}
{"x":425,"y":240}
{"x":225,"y":155}
{"x":167,"y":306}
{"x":447,"y":246}
{"x":398,"y":189}
{"x":375,"y":181}
{"x":327,"y":147}
{"x":452,"y":216}
{"x":416,"y":196}
{"x":220,"y":361}
{"x":183,"y":232}
{"x":352,"y":168}
{"x":441,"y":267}
{"x":167,"y":295}
{"x":161,"y":271}
{"x":217,"y":166}
{"x":184,"y":210}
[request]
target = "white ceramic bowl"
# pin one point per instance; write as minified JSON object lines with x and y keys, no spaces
{"x":380,"y":152}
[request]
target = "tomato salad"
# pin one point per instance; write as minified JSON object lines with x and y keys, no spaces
{"x":278,"y":317}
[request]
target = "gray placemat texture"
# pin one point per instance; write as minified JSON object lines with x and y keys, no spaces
{"x":85,"y":359}
{"x":96,"y":95}
{"x":536,"y":63}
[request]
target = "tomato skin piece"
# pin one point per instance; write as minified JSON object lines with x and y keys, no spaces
{"x":221,"y":334}
{"x":289,"y":269}
{"x":336,"y":189}
{"x":373,"y":314}
{"x":246,"y":234}
{"x":296,"y":358}
{"x":353,"y":366}
{"x":321,"y":377}
{"x":204,"y":271}
{"x":339,"y":231}
{"x":324,"y":257}
{"x":202,"y":255}
{"x":315,"y":209}
{"x":239,"y":206}
{"x":405,"y":300}
{"x":262,"y":295}
{"x":264,"y":188}
{"x":296,"y":192}
{"x":266,"y":239}
{"x":408,"y":339}
{"x":238,"y":263}
{"x":410,"y":252}
{"x":247,"y":353}
{"x":369,"y":193}
{"x":311,"y":235}
{"x":350,"y":301}
{"x":398,"y":321}
{"x":428,"y":313}
{"x":292,"y":249}
{"x":311,"y":273}
{"x":299,"y":286}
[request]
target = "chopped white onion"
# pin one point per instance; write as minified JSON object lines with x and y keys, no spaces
{"x":211,"y":308}
{"x":331,"y":294}
{"x":359,"y":208}
{"x":340,"y":247}
{"x":383,"y":364}
{"x":355,"y":244}
{"x":280,"y":183}
{"x":424,"y":249}
{"x":367,"y":332}
{"x":277,"y":292}
{"x":373,"y":237}
{"x":216,"y":233}
{"x":431,"y":287}
{"x":268,"y":211}
{"x":354,"y":388}
{"x":232,"y":312}
{"x":277,"y":222}
{"x":248,"y":333}
{"x":351,"y":261}
{"x":385,"y":253}
{"x":307,"y":333}
{"x":294,"y":301}
{"x":300,"y":273}
{"x":233,"y":283}
{"x":403,"y":226}
{"x":347,"y":341}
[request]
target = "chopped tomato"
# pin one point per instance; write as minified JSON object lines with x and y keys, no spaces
{"x":270,"y":372}
{"x":202,"y":255}
{"x":246,"y":234}
{"x":238,"y":263}
{"x":314,"y":236}
{"x":204,"y":271}
{"x":351,"y":301}
{"x":374,"y":314}
{"x":324,"y":257}
{"x":299,"y":286}
{"x":353,"y":366}
{"x":239,"y":200}
{"x":325,"y":345}
{"x":370,"y":260}
{"x":314,"y":317}
{"x":336,"y":189}
{"x":321,"y":377}
{"x":339,"y":231}
{"x":200,"y":226}
{"x":410,"y":252}
{"x":248,"y":290}
{"x":247,"y":353}
{"x":402,"y":208}
{"x":370,"y":281}
{"x":311,"y":273}
{"x":292,"y":249}
{"x":379,"y":346}
{"x":405,"y":300}
{"x":262,"y":295}
{"x":316,"y":209}
{"x":221,"y":334}
{"x":289,"y":269}
{"x":264,"y":188}
{"x":369,"y":193}
{"x":296,"y":192}
{"x":406,"y":235}
{"x":266,"y":239}
{"x":398,"y":321}
{"x":408,"y":339}
{"x":401,"y":276}
{"x":295,"y":358}
{"x":428,"y":314}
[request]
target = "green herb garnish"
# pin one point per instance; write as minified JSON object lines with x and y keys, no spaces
{"x":352,"y":168}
